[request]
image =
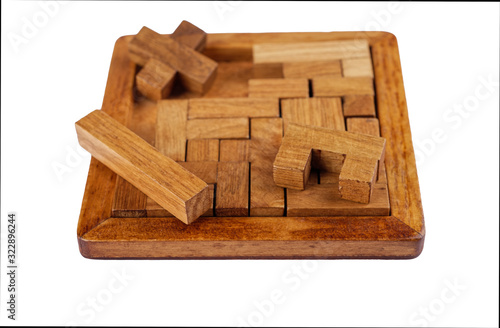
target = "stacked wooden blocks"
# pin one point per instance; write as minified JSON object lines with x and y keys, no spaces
{"x":240,"y":126}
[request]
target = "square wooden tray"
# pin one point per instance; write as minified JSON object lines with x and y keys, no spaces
{"x":398,"y":236}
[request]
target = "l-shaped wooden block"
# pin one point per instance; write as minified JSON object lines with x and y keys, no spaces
{"x":364,"y":155}
{"x":169,"y":184}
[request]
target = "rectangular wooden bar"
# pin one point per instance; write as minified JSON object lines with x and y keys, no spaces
{"x":232,"y":189}
{"x":342,"y":86}
{"x":159,"y":177}
{"x":128,"y":200}
{"x":218,"y":128}
{"x":312,"y":69}
{"x":278,"y":88}
{"x":309,"y":51}
{"x":154,"y":210}
{"x":233,"y":107}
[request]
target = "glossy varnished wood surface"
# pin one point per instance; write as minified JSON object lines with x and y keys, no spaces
{"x":398,"y":236}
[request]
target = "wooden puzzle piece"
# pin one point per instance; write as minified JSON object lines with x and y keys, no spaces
{"x":169,"y":184}
{"x":278,"y":88}
{"x":323,"y":112}
{"x":342,"y":86}
{"x":353,"y":67}
{"x":129,"y":201}
{"x":218,"y":128}
{"x":359,"y":105}
{"x":155,"y":79}
{"x":309,"y":51}
{"x":364,"y":125}
{"x":309,"y":70}
{"x":233,"y":107}
{"x":323,"y":199}
{"x":190,"y":35}
{"x":232,"y":189}
{"x":171,"y":128}
{"x":154,"y":210}
{"x":268,"y":71}
{"x":266,"y":199}
{"x":370,"y":126}
{"x":202,"y":150}
{"x":231,"y":80}
{"x":292,"y":165}
{"x":196,"y":71}
{"x":234,"y":150}
{"x":206,"y":171}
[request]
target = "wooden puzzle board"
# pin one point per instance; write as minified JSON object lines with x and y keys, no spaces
{"x":231,"y":144}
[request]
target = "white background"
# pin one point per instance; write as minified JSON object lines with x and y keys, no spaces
{"x":58,"y":75}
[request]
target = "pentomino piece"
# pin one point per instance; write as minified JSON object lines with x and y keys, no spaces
{"x":364,"y":155}
{"x":196,"y":71}
{"x":155,"y":79}
{"x":176,"y":189}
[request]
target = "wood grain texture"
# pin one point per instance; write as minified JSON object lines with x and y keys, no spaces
{"x":323,"y":112}
{"x":239,"y":46}
{"x":402,"y":177}
{"x":202,"y":150}
{"x":196,"y":71}
{"x":233,"y":107}
{"x":171,"y":128}
{"x":323,"y":199}
{"x":342,"y":86}
{"x":278,"y":88}
{"x":370,"y":126}
{"x":218,"y":128}
{"x":154,"y":210}
{"x":234,"y":150}
{"x":231,"y":80}
{"x":360,"y":105}
{"x":254,"y":237}
{"x":364,"y":125}
{"x":155,"y":80}
{"x":190,"y":35}
{"x":309,"y":51}
{"x":266,"y":199}
{"x":158,"y":176}
{"x":353,"y":67}
{"x":358,"y":173}
{"x":130,"y":201}
{"x":399,"y":236}
{"x":232,"y":189}
{"x":118,"y":103}
{"x":268,"y":71}
{"x":309,"y":70}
